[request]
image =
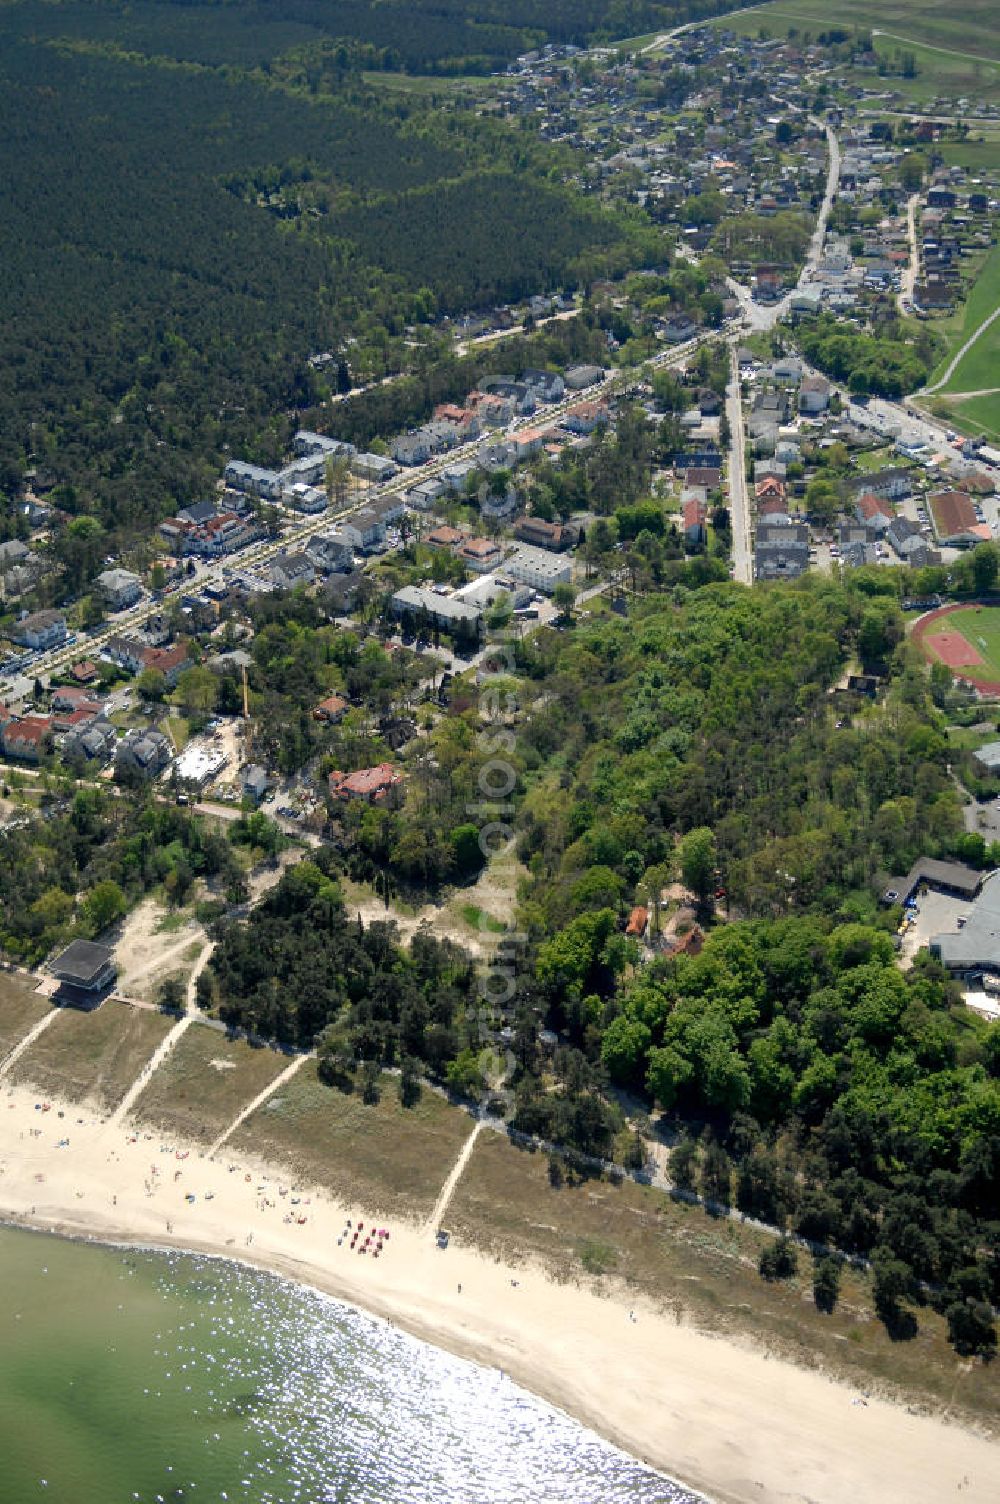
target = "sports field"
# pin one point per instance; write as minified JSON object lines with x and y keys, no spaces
{"x":966,"y":639}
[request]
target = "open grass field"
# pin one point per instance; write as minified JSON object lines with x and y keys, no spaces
{"x":20,"y":1009}
{"x":979,"y":415}
{"x":703,"y":1269}
{"x":205,"y":1081}
{"x":388,"y":1159}
{"x":92,"y":1056}
{"x":975,"y":155}
{"x":967,"y":640}
{"x":428,"y":83}
{"x":938,"y":23}
{"x":979,"y":368}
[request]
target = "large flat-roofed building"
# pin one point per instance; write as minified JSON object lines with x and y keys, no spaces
{"x":539,"y":568}
{"x":85,"y":971}
{"x":974,"y":947}
{"x":446,"y":610}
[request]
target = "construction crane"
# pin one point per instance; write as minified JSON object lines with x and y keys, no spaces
{"x":247,"y":733}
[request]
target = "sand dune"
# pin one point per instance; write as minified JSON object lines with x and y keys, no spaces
{"x":721,"y":1417}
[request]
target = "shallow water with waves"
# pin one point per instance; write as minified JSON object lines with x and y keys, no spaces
{"x":129,"y":1375}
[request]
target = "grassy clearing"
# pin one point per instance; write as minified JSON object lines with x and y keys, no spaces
{"x":386,"y":1158}
{"x":965,"y":29}
{"x":20,"y":1009}
{"x":428,"y":83}
{"x":979,"y":368}
{"x":203,"y":1084}
{"x":979,"y":415}
{"x":975,"y":155}
{"x":92,"y":1056}
{"x":704,"y":1271}
{"x":479,"y":919}
{"x":874,"y":459}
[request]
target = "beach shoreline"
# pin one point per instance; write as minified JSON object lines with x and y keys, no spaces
{"x":717,"y":1416}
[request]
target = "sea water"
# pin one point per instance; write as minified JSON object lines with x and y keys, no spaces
{"x":144,"y":1376}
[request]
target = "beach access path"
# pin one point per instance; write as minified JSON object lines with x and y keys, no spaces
{"x":723,"y":1417}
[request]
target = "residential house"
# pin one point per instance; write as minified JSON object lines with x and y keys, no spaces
{"x":708,"y":477}
{"x":93,"y":742}
{"x":364,"y":530}
{"x":695,"y":514}
{"x":423,"y":496}
{"x":254,"y":782}
{"x":40,"y":630}
{"x":814,"y":395}
{"x":541,"y":534}
{"x":874,"y":511}
{"x":579,"y":377}
{"x":444,"y":536}
{"x":782,"y":552}
{"x":137,"y":656}
{"x":375,"y":468}
{"x":480,"y":554}
{"x":143,"y":753}
{"x":341,"y":591}
{"x":27,"y":738}
{"x":769,"y":490}
{"x":254,"y":480}
{"x":548,"y":384}
{"x":289,"y":571}
{"x":332,"y":709}
{"x":679,"y":329}
{"x":585,"y":417}
{"x":904,"y":537}
{"x":446,"y":611}
{"x":411,"y":449}
{"x":120,"y":588}
{"x":894,"y":483}
{"x":307,"y":443}
{"x":331,"y":551}
{"x":378,"y":785}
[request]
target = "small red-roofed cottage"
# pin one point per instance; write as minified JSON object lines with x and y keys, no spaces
{"x":378,"y":785}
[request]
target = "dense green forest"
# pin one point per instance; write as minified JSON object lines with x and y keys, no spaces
{"x":809,"y":1080}
{"x":420,"y":35}
{"x":82,"y":861}
{"x":889,"y":363}
{"x":178,"y":237}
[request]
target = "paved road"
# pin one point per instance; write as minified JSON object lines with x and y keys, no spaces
{"x":763,"y":316}
{"x":909,"y":277}
{"x":299,"y":532}
{"x":739,"y":503}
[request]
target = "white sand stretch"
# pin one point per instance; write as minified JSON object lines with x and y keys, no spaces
{"x":721,"y":1417}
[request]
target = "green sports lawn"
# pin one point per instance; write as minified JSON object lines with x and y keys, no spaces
{"x":980,"y":626}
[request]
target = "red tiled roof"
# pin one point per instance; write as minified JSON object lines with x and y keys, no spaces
{"x":366,"y":783}
{"x":870,"y":505}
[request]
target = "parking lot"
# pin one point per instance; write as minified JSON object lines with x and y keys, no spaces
{"x":936,"y":913}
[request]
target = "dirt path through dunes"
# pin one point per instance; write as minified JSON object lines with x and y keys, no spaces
{"x":258,"y":1101}
{"x":8,"y":1063}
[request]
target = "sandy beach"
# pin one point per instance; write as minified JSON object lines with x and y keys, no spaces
{"x":720,"y":1417}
